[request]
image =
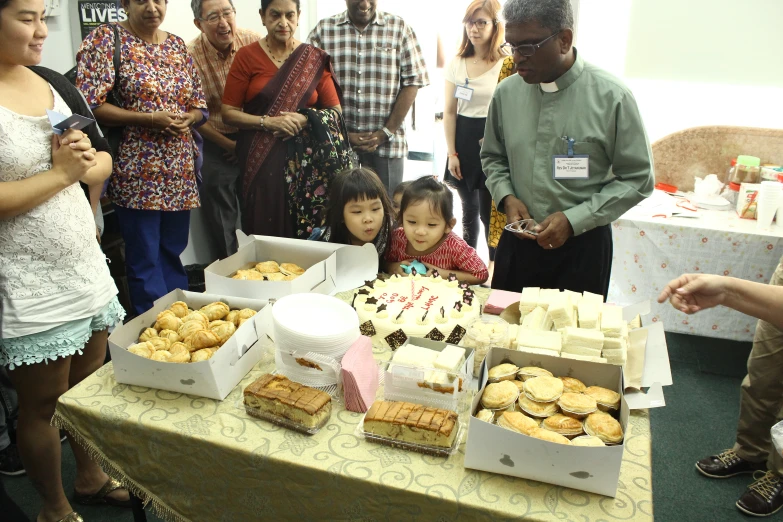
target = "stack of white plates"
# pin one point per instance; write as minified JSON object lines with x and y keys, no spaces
{"x":314,"y":324}
{"x":711,"y":202}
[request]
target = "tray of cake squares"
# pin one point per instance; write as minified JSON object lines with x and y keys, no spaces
{"x":423,"y":395}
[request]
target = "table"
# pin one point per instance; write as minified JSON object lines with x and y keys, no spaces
{"x":198,"y":459}
{"x":649,"y":252}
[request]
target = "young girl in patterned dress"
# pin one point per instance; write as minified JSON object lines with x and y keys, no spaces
{"x":426,"y":235}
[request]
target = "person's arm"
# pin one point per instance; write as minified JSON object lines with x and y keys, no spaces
{"x":209,"y":133}
{"x":450,"y":129}
{"x":632,"y":168}
{"x":691,"y":293}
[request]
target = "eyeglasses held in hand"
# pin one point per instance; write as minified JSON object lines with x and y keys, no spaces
{"x":215,"y":18}
{"x":527,"y":49}
{"x":480,"y":24}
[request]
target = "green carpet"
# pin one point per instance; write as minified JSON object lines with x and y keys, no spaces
{"x":699,"y":419}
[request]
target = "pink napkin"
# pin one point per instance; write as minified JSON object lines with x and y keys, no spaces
{"x":360,"y":375}
{"x":499,"y":300}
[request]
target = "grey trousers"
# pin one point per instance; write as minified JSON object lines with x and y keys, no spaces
{"x":388,"y":169}
{"x":219,"y":201}
{"x":9,"y":408}
{"x":761,"y":396}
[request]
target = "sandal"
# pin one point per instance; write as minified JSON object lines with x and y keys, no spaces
{"x":101,"y":497}
{"x":73,"y":516}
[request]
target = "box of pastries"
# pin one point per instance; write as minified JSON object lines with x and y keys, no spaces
{"x":194,"y":343}
{"x":551,"y":419}
{"x":272,"y":267}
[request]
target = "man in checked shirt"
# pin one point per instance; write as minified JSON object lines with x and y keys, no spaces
{"x":380,"y":68}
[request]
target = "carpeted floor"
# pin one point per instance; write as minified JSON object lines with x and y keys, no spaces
{"x":699,"y":419}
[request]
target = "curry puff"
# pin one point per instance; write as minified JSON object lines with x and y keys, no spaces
{"x":216,"y":310}
{"x":544,"y":389}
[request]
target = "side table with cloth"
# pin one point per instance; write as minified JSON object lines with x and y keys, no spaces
{"x":649,"y":252}
{"x":199,"y":459}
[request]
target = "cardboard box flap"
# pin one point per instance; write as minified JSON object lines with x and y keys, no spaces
{"x":639,"y":399}
{"x":355,"y":265}
{"x":642,"y":308}
{"x":656,"y":362}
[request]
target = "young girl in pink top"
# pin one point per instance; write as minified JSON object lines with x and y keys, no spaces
{"x":426,"y":235}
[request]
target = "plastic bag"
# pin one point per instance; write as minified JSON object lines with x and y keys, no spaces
{"x":777,"y":437}
{"x":709,"y":186}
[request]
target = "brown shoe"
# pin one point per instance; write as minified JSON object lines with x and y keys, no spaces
{"x":727,"y":464}
{"x":764,"y":497}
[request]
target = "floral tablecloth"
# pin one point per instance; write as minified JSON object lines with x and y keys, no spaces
{"x":649,"y":252}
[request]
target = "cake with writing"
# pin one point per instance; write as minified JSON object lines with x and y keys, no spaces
{"x":392,"y":310}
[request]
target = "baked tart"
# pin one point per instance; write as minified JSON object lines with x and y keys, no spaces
{"x":543,"y":389}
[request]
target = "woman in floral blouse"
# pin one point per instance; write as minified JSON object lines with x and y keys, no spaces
{"x":153,"y":184}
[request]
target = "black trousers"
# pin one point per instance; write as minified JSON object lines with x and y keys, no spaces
{"x":219,"y":200}
{"x":476,"y":204}
{"x":583,"y":263}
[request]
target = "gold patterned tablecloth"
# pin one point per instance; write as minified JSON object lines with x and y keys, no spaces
{"x":205,"y":460}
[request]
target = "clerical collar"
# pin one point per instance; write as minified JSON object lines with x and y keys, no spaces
{"x":569,"y":77}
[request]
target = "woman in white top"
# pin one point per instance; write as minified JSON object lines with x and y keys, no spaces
{"x":57,"y":298}
{"x":471,"y":78}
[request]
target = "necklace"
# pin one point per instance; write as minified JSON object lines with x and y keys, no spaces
{"x":272,"y":55}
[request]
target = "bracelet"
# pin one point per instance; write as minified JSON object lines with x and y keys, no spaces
{"x":455,"y":155}
{"x":263,"y":119}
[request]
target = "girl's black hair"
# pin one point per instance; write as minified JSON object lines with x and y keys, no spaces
{"x":429,"y":189}
{"x":400,"y":189}
{"x":356,"y":185}
{"x":266,"y":3}
{"x":4,"y":4}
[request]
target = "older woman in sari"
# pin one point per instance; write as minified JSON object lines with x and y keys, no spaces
{"x":282,"y":96}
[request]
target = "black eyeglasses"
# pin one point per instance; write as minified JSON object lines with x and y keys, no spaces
{"x":480,"y":24}
{"x":215,"y":18}
{"x":527,"y":49}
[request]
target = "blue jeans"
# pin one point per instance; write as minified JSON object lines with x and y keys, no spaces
{"x":9,"y":408}
{"x":154,"y":240}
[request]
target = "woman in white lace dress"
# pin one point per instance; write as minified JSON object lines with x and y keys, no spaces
{"x":57,"y":298}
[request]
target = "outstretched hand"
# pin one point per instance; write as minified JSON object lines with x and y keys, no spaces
{"x":691,"y":293}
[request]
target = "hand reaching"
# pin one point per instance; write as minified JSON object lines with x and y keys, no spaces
{"x":691,"y":293}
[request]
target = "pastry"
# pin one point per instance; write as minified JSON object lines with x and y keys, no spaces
{"x":179,"y":353}
{"x":543,"y":389}
{"x":520,"y":385}
{"x":551,"y":436}
{"x":502,"y":372}
{"x":413,"y":423}
{"x":275,"y":277}
{"x":201,"y":355}
{"x":167,"y":321}
{"x":536,"y":409}
{"x":199,"y":316}
{"x":516,"y":421}
{"x":539,"y":340}
{"x":233,"y":316}
{"x":499,"y":395}
{"x":144,"y":349}
{"x":179,"y":309}
{"x":290,"y":277}
{"x":291,"y":269}
{"x":604,"y":397}
{"x":171,"y":335}
{"x":572,"y":385}
{"x":216,"y":310}
{"x":486,"y":416}
{"x":160,"y":343}
{"x":161,"y":355}
{"x":268,"y":267}
{"x":202,"y":339}
{"x":528,"y":372}
{"x":189,"y":328}
{"x":148,"y":334}
{"x":244,"y":314}
{"x":248,"y":275}
{"x":223,"y":329}
{"x":587,"y":440}
{"x":605,"y":427}
{"x":577,"y":403}
{"x":565,"y":426}
{"x":279,"y":396}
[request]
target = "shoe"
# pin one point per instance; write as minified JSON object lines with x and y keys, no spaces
{"x":11,"y":462}
{"x":73,"y":516}
{"x":764,"y":497}
{"x":63,"y":435}
{"x":102,"y":496}
{"x":727,"y":464}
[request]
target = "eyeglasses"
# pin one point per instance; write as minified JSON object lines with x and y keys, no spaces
{"x":215,"y":18}
{"x":480,"y":24}
{"x":527,"y":49}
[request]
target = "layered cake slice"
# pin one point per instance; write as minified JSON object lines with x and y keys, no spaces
{"x":279,"y":396}
{"x":414,"y":423}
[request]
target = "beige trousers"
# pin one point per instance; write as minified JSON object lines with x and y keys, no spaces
{"x":761,"y":398}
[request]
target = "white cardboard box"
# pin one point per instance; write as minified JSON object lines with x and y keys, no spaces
{"x":213,"y":378}
{"x":330,"y":267}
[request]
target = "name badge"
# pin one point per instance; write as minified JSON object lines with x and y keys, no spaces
{"x":463,"y":92}
{"x":571,"y":167}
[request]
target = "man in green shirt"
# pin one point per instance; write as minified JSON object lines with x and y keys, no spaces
{"x":564,"y":145}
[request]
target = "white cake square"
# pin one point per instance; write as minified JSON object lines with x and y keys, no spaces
{"x":539,"y":340}
{"x":611,"y":320}
{"x":535,"y":319}
{"x":565,"y":355}
{"x":592,"y":339}
{"x":451,"y":358}
{"x":417,"y":356}
{"x":547,"y":296}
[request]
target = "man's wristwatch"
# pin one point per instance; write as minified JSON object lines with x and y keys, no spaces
{"x":389,"y":134}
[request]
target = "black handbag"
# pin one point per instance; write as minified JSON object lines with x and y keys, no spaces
{"x":114,"y":134}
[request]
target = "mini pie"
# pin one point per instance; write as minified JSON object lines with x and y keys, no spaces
{"x":179,"y":353}
{"x":577,"y":403}
{"x":199,"y":316}
{"x":486,"y":416}
{"x":551,"y":436}
{"x":268,"y":267}
{"x":248,"y":275}
{"x":148,"y":334}
{"x":520,"y":385}
{"x":499,"y":395}
{"x":171,"y":335}
{"x":587,"y":440}
{"x":144,"y":349}
{"x":291,"y":269}
{"x":543,"y":389}
{"x":605,"y":427}
{"x":161,"y":355}
{"x":516,"y":421}
{"x":528,"y":372}
{"x":502,"y":372}
{"x":572,"y":385}
{"x":201,"y":355}
{"x":604,"y":397}
{"x":179,"y":309}
{"x":202,"y":339}
{"x":167,"y":321}
{"x":216,"y":310}
{"x":537,"y":409}
{"x":160,"y":343}
{"x":223,"y":329}
{"x":565,"y":426}
{"x":189,"y":328}
{"x":278,"y":276}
